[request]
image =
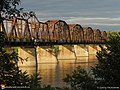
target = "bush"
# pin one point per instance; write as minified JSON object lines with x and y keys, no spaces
{"x":80,"y":80}
{"x":107,"y":71}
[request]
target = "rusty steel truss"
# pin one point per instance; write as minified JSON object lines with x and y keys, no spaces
{"x":20,"y":30}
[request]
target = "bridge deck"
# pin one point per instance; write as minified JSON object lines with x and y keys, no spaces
{"x":32,"y":44}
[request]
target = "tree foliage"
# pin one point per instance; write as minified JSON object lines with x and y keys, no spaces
{"x":10,"y":74}
{"x":80,"y":80}
{"x":9,"y":7}
{"x":106,"y":74}
{"x":107,"y":71}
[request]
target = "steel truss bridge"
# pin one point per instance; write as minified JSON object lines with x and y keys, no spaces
{"x":32,"y":32}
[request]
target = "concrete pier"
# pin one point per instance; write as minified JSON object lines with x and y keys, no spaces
{"x":98,"y":48}
{"x":81,"y":50}
{"x":46,"y":55}
{"x":92,"y":49}
{"x":29,"y":60}
{"x":81,"y":53}
{"x":28,"y":54}
{"x":55,"y":54}
{"x":66,"y":53}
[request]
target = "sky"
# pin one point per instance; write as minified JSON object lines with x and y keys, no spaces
{"x":98,"y":14}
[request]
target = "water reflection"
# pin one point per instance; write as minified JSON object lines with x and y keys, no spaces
{"x":52,"y":74}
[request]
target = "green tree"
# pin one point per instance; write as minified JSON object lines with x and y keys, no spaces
{"x":35,"y":83}
{"x":106,"y":74}
{"x":8,"y":8}
{"x":107,"y":71}
{"x":80,"y":80}
{"x":10,"y":74}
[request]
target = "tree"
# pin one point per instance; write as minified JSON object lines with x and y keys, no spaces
{"x":35,"y":83}
{"x":107,"y":71}
{"x":80,"y":80}
{"x":8,"y":8}
{"x":106,"y":74}
{"x":10,"y":74}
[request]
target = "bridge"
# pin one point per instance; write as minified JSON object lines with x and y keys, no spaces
{"x":51,"y":41}
{"x":31,"y":32}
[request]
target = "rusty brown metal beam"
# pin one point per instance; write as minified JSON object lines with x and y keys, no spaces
{"x":31,"y":29}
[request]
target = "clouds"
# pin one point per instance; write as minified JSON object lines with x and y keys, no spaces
{"x":96,"y":13}
{"x":96,"y":21}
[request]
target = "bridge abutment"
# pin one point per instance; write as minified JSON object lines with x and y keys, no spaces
{"x":92,"y":50}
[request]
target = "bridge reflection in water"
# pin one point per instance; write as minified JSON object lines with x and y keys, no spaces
{"x":53,"y":73}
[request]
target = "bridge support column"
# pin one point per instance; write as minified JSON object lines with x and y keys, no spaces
{"x":92,"y":50}
{"x":99,"y":49}
{"x":29,"y":55}
{"x":66,"y":52}
{"x":46,"y":55}
{"x":81,"y":53}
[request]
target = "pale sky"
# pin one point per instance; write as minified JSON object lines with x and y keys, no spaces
{"x":101,"y":14}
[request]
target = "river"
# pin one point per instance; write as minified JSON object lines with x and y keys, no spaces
{"x":53,"y":73}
